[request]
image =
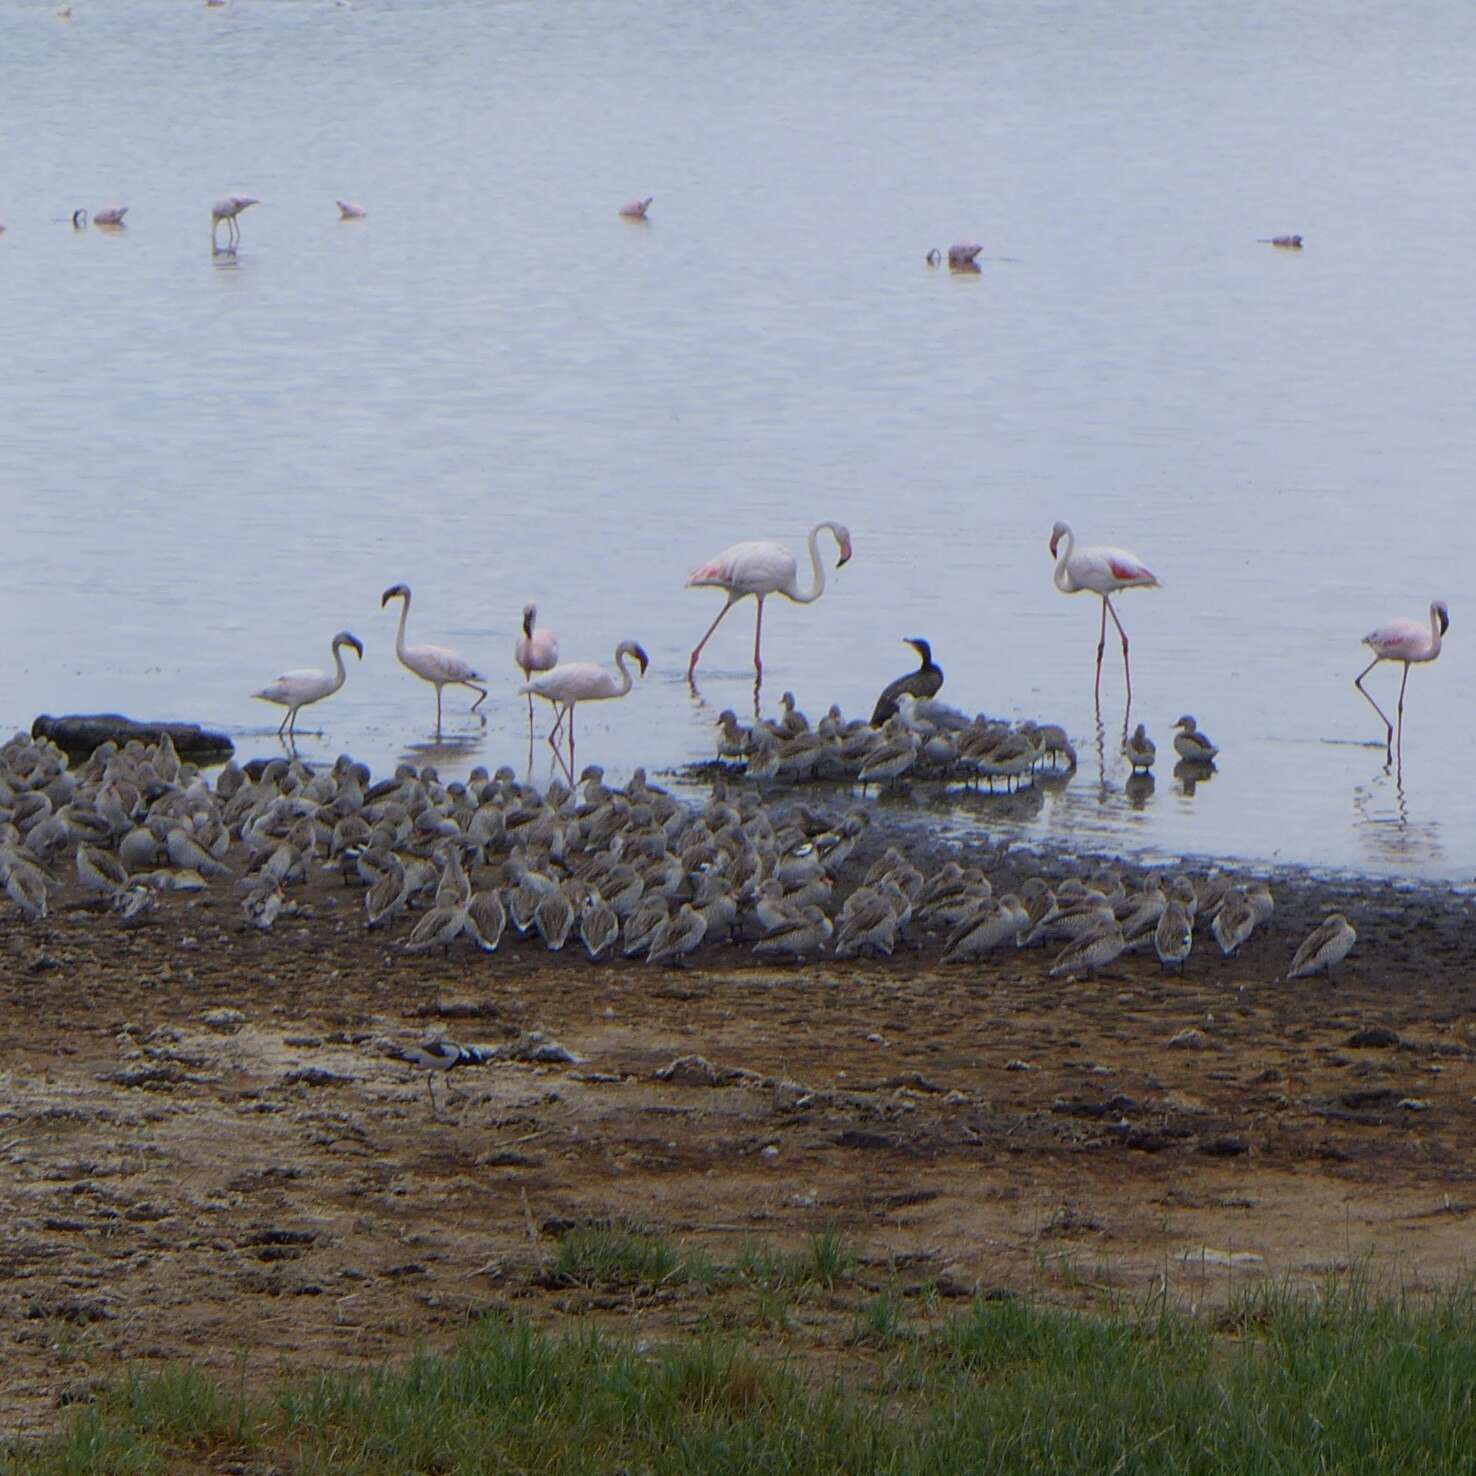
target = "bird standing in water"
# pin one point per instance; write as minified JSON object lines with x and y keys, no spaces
{"x":537,"y":649}
{"x":438,"y":665}
{"x":295,"y":690}
{"x":924,"y":682}
{"x":1103,"y":571}
{"x":227,"y":210}
{"x":1409,"y":641}
{"x":761,"y":569}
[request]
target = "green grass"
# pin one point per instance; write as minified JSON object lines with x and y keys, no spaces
{"x":1280,"y":1385}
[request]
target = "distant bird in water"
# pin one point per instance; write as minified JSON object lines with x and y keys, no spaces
{"x":1140,"y":749}
{"x":347,"y":210}
{"x":438,"y":665}
{"x":584,"y":681}
{"x":1326,"y":945}
{"x":227,"y":210}
{"x":961,"y":257}
{"x":111,"y":215}
{"x":295,"y":690}
{"x":636,"y":209}
{"x":1103,"y":571}
{"x":537,"y":649}
{"x":761,"y":569}
{"x":1408,"y":641}
{"x":1287,"y":243}
{"x":1192,"y":745}
{"x":924,"y":682}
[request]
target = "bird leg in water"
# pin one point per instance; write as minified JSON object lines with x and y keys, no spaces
{"x":1358,"y":682}
{"x":692,"y":665}
{"x":1127,"y":669}
{"x":758,"y":634}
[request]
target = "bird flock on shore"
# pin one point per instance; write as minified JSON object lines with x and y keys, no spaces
{"x":628,"y":872}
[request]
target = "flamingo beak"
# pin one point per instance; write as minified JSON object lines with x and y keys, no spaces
{"x":358,"y":646}
{"x":845,"y":555}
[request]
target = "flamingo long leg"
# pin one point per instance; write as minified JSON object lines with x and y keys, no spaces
{"x":1127,"y":669}
{"x":438,"y":709}
{"x":1358,"y":682}
{"x":758,"y":635}
{"x":692,"y":665}
{"x":1101,"y":646}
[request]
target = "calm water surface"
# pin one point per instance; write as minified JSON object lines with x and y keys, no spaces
{"x":495,"y":390}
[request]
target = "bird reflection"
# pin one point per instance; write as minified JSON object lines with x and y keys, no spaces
{"x":1191,"y":773}
{"x":1139,"y":789}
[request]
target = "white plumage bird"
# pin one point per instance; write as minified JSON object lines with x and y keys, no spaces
{"x":438,"y":665}
{"x":761,"y":569}
{"x":227,"y":210}
{"x":295,"y":690}
{"x":573,"y":682}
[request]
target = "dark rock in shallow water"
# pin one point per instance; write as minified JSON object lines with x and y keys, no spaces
{"x":80,"y":733}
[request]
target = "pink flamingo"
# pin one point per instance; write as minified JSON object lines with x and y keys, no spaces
{"x":761,"y":569}
{"x":536,"y":650}
{"x":1409,"y":641}
{"x":636,"y":209}
{"x":1104,"y":571}
{"x":583,"y":681}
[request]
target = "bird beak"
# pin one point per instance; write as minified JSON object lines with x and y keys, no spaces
{"x":386,"y":597}
{"x":357,"y":647}
{"x":845,"y":555}
{"x":640,"y":656}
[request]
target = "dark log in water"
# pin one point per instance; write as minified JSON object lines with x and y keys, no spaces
{"x":80,"y":733}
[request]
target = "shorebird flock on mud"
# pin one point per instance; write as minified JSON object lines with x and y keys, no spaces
{"x":633,"y":872}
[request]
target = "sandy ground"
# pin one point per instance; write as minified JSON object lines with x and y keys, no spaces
{"x":277,"y":1193}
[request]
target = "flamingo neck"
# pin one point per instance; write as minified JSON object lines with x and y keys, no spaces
{"x":339,"y":674}
{"x":400,"y":633}
{"x":626,"y":681}
{"x":817,"y":570}
{"x":1062,"y":577}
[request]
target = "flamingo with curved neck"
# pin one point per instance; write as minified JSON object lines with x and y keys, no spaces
{"x":1409,"y":641}
{"x":572,"y":682}
{"x":762,"y":569}
{"x":438,"y":665}
{"x":1103,"y":571}
{"x":295,"y":690}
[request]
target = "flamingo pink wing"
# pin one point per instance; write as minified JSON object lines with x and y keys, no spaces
{"x":1399,"y":639}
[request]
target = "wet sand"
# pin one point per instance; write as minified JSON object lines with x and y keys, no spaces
{"x":273,"y":1191}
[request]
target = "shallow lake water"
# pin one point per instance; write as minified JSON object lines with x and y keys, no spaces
{"x":495,"y":390}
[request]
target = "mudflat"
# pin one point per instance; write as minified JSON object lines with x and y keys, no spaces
{"x":209,"y":1155}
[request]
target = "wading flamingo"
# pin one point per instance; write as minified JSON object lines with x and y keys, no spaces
{"x":1409,"y":641}
{"x":583,"y":681}
{"x":1104,"y":571}
{"x":297,"y":689}
{"x":348,"y":210}
{"x":438,"y":665}
{"x":761,"y":569}
{"x":636,"y":209}
{"x":227,"y":210}
{"x":537,"y":650}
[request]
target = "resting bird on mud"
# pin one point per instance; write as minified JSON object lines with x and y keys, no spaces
{"x":924,"y":682}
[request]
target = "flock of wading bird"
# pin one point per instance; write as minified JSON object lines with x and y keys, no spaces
{"x":632,"y":871}
{"x":910,"y":730}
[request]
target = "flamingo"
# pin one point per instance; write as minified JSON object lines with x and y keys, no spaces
{"x":583,"y":681}
{"x":636,"y":209}
{"x":761,"y":569}
{"x":227,"y":210}
{"x":536,"y":650}
{"x":1409,"y":641}
{"x":438,"y":665}
{"x":112,"y":215}
{"x":297,"y":689}
{"x":347,"y":210}
{"x":1104,"y":571}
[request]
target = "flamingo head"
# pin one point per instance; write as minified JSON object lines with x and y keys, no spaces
{"x":530,"y":614}
{"x":1059,"y":532}
{"x":640,"y":656}
{"x":923,"y":649}
{"x":79,"y":219}
{"x":394,"y":592}
{"x":1442,"y":614}
{"x":843,"y":537}
{"x":934,"y":257}
{"x":346,"y":638}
